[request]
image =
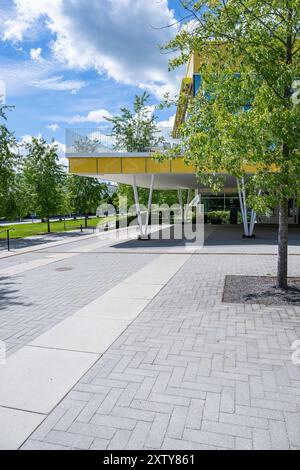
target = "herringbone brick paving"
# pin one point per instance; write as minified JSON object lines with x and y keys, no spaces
{"x":190,"y":372}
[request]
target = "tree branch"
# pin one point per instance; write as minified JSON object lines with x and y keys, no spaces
{"x":257,"y":18}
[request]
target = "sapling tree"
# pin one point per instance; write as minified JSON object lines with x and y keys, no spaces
{"x":135,"y":130}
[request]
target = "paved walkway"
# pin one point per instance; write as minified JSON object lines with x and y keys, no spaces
{"x":183,"y":371}
{"x":190,"y":373}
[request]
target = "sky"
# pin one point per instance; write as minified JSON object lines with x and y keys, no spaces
{"x":70,"y":63}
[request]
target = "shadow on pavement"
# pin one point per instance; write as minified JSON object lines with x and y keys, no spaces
{"x":163,"y":238}
{"x":18,"y":243}
{"x":223,"y":235}
{"x":8,"y":293}
{"x":264,"y":235}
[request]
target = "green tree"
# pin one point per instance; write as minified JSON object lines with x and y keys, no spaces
{"x":135,"y":131}
{"x":9,"y":160}
{"x":43,"y":176}
{"x":86,"y":144}
{"x":66,"y":198}
{"x":19,"y":202}
{"x":86,"y":194}
{"x":248,"y":113}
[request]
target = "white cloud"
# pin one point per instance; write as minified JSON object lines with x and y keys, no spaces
{"x":97,"y":116}
{"x":61,"y":148}
{"x":22,"y":21}
{"x":150,"y":109}
{"x":36,"y":55}
{"x":53,"y":127}
{"x":168,"y":123}
{"x":119,"y":38}
{"x":2,"y":92}
{"x":27,"y":139}
{"x":21,"y":75}
{"x":61,"y":152}
{"x":59,"y":84}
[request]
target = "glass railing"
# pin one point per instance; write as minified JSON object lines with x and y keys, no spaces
{"x":100,"y":141}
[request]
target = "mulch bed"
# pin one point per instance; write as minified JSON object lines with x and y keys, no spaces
{"x":260,"y":290}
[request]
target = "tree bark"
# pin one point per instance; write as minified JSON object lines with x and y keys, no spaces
{"x":283,"y":229}
{"x":85,"y":220}
{"x":282,"y":263}
{"x":48,"y":223}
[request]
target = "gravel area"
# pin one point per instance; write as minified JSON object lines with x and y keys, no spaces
{"x":260,"y":290}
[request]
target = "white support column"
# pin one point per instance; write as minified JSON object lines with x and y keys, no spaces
{"x":180,"y":200}
{"x":253,"y":219}
{"x":137,"y":204}
{"x":186,"y":209}
{"x":195,"y":201}
{"x":243,"y":206}
{"x":248,"y":226}
{"x":149,"y":205}
{"x":143,"y":228}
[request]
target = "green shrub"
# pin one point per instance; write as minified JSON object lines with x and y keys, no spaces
{"x":224,"y":215}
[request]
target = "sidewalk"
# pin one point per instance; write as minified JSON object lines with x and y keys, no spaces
{"x":190,"y":373}
{"x":161,"y":362}
{"x":51,"y":345}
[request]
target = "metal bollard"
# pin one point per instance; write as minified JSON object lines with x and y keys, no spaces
{"x":8,"y":240}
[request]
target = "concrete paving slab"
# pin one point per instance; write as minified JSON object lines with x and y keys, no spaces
{"x":16,"y":426}
{"x":113,"y":308}
{"x":161,"y":270}
{"x":126,"y":290}
{"x":36,"y":379}
{"x":92,"y":335}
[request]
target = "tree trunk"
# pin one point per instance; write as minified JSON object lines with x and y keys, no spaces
{"x":85,"y":220}
{"x":48,"y":224}
{"x":282,"y":264}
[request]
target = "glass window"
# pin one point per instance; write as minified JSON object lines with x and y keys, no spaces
{"x":197,"y":83}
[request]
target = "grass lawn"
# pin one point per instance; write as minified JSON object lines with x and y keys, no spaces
{"x":40,"y":228}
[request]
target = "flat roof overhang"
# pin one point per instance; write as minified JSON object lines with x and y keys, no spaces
{"x":165,"y":181}
{"x":120,"y":167}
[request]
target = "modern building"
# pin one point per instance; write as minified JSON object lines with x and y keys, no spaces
{"x":91,"y":153}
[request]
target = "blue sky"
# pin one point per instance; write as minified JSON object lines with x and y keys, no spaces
{"x":68,"y":63}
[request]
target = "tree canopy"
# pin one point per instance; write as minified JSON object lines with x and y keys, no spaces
{"x":9,"y":161}
{"x":244,"y":114}
{"x":43,"y":176}
{"x":32,"y":179}
{"x":86,"y":194}
{"x":135,"y":130}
